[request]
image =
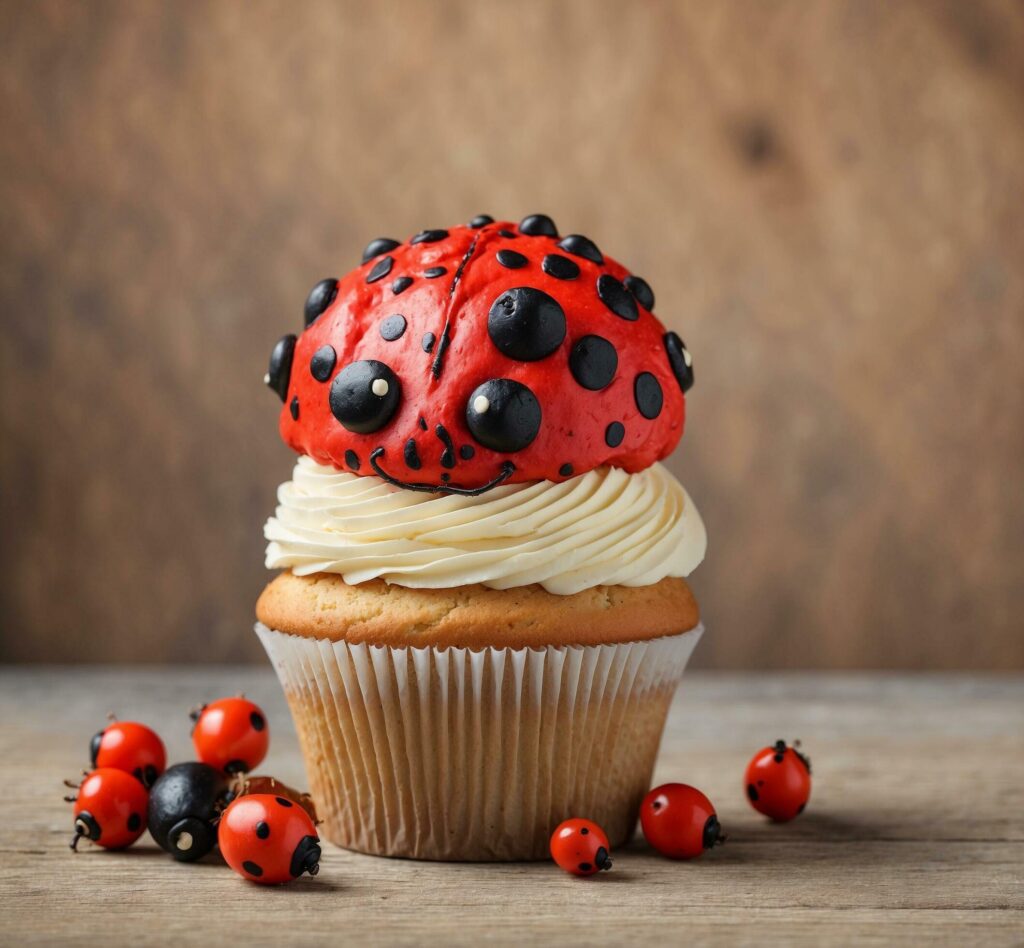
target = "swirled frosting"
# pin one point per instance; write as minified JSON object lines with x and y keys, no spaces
{"x":605,"y":527}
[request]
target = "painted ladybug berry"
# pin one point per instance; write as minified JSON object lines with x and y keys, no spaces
{"x":268,"y":839}
{"x":679,"y":821}
{"x":184,"y":805}
{"x":110,"y":809}
{"x":580,"y":847}
{"x":231,"y":734}
{"x":133,"y":748}
{"x":778,"y":782}
{"x":474,"y":356}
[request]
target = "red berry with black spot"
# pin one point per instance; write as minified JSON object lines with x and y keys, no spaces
{"x":778,"y":782}
{"x":580,"y":847}
{"x":679,"y":821}
{"x":231,"y":735}
{"x":268,"y":839}
{"x":131,"y":747}
{"x":110,"y":809}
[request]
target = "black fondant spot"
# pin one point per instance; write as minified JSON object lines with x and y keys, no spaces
{"x":257,"y":721}
{"x":236,"y":766}
{"x":752,"y":793}
{"x":677,"y":356}
{"x":448,"y":455}
{"x":322,"y":364}
{"x":561,"y":268}
{"x":378,"y":246}
{"x":584,"y":831}
{"x":526,"y":324}
{"x":134,"y":822}
{"x":511,"y":259}
{"x":585,"y":867}
{"x":616,"y":297}
{"x":354,"y":402}
{"x":380,"y":269}
{"x":422,"y":423}
{"x":428,"y":341}
{"x":412,"y":457}
{"x":320,"y":297}
{"x":429,"y":236}
{"x":400,"y":285}
{"x":431,"y":272}
{"x":283,"y":802}
{"x":280,"y":370}
{"x":466,"y":452}
{"x":641,"y":291}
{"x":506,"y":233}
{"x":393,"y":327}
{"x":580,"y":246}
{"x":503,"y":415}
{"x":647,"y":393}
{"x":352,"y":459}
{"x":293,"y":407}
{"x":614,"y":434}
{"x":150,"y":775}
{"x":538,"y":225}
{"x":565,"y":470}
{"x":481,"y":220}
{"x":445,"y":478}
{"x":252,"y":868}
{"x":593,"y":362}
{"x":262,"y":829}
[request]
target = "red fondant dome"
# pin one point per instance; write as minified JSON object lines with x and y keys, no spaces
{"x":482,"y":354}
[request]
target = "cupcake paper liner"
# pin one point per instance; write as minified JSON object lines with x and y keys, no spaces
{"x":455,"y":754}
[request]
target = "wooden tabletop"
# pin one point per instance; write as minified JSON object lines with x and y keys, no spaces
{"x":915,"y":829}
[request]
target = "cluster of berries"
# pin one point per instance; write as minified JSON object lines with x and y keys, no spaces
{"x":265,"y":830}
{"x":681,"y":823}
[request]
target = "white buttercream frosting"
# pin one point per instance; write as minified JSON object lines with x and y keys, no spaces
{"x":605,"y":527}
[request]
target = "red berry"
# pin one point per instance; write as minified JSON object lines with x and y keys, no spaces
{"x":679,"y":821}
{"x":110,"y":809}
{"x":268,"y":839}
{"x":231,"y":735}
{"x":580,"y":847}
{"x":779,"y":782}
{"x":133,"y":748}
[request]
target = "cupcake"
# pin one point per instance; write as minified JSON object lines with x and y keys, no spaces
{"x":482,"y":613}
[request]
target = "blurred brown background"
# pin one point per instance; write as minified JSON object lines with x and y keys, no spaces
{"x":826,"y":197}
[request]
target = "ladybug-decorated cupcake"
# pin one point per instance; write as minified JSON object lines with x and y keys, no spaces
{"x":482,"y":615}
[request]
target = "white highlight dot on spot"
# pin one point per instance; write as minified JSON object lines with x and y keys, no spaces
{"x":379,"y":387}
{"x":481,"y":404}
{"x":687,"y":358}
{"x":184,"y":841}
{"x":266,"y":379}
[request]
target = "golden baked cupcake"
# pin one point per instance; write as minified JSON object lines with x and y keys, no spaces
{"x":483,"y":614}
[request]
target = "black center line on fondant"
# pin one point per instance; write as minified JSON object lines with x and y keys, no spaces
{"x":443,"y":342}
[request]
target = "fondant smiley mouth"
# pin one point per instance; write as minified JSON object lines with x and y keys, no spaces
{"x":507,"y":470}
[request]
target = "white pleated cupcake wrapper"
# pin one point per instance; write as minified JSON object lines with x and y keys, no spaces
{"x":476,"y":755}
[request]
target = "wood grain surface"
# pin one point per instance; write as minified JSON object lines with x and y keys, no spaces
{"x":826,"y":197}
{"x":914,"y":833}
